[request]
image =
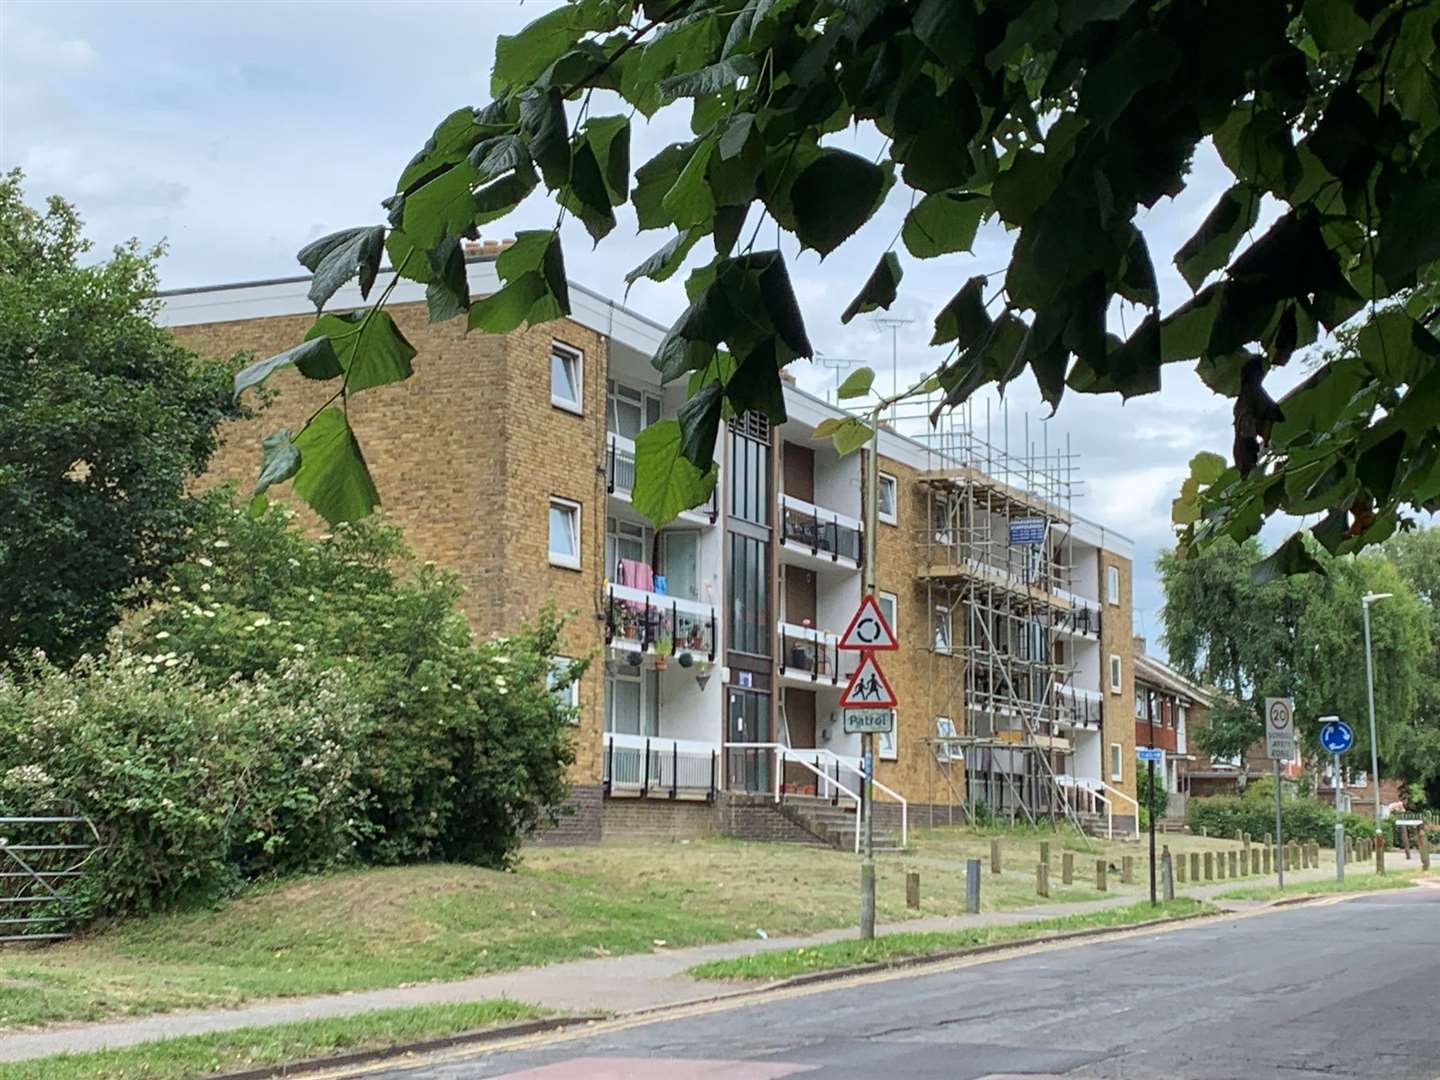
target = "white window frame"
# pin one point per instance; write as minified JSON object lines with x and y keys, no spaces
{"x":615,"y":532}
{"x":616,"y":390}
{"x":648,"y":683}
{"x":1112,"y":585}
{"x":893,"y":618}
{"x":577,"y":359}
{"x":893,"y":517}
{"x":1117,"y":674}
{"x":1117,"y":763}
{"x":948,"y":616}
{"x":886,"y":746}
{"x":570,"y":690}
{"x":560,"y":558}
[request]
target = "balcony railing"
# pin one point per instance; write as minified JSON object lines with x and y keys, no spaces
{"x":1080,"y":707}
{"x":655,"y":767}
{"x":827,"y":533}
{"x":1080,"y":619}
{"x":811,"y":654}
{"x":647,"y":620}
{"x":620,"y":475}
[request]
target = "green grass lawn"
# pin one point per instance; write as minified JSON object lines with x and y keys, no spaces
{"x":1353,"y":883}
{"x":365,"y":929}
{"x":785,"y":963}
{"x":247,"y":1048}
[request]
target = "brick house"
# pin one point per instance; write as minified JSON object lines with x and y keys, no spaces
{"x":716,"y":686}
{"x":1167,"y":707}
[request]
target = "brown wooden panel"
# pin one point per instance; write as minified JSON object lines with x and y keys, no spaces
{"x":798,"y":471}
{"x":799,"y":595}
{"x":800,"y":715}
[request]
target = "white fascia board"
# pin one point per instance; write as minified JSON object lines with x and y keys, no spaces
{"x":1098,"y":536}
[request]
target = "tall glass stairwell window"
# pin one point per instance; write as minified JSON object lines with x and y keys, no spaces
{"x":748,"y":540}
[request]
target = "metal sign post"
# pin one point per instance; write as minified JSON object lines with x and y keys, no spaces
{"x":1279,"y":746}
{"x":1150,"y":755}
{"x":1337,"y":737}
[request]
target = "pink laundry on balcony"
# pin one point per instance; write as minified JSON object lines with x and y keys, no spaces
{"x":637,"y":575}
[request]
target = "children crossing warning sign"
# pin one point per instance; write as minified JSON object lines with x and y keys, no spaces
{"x":868,"y":688}
{"x":868,"y":629}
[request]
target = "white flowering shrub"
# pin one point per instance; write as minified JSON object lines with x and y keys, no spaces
{"x":193,"y":787}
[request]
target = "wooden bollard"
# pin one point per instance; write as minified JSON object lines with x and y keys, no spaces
{"x":1042,"y":879}
{"x":1423,"y":843}
{"x":1265,"y":860}
{"x":1209,"y":866}
{"x":1167,"y":875}
{"x":1127,"y":870}
{"x":1180,"y":862}
{"x":1045,"y":852}
{"x":1203,"y":832}
{"x":912,"y":890}
{"x":1220,"y":865}
{"x":1234,"y":864}
{"x":1067,"y":868}
{"x":1100,"y":874}
{"x":1245,"y":862}
{"x":1194,"y":866}
{"x":972,"y":886}
{"x":995,"y":856}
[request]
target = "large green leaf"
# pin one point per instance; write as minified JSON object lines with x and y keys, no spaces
{"x":857,"y":383}
{"x":879,"y":290}
{"x":943,"y":222}
{"x":445,"y":207}
{"x":369,"y":346}
{"x":547,"y":133}
{"x":1209,"y":249}
{"x":666,"y":481}
{"x":315,"y":360}
{"x":1397,"y":348}
{"x":279,"y":459}
{"x":689,"y":201}
{"x":333,"y":477}
{"x":535,"y":289}
{"x":833,"y":197}
{"x":661,"y":265}
{"x":609,"y":140}
{"x":520,"y":58}
{"x":699,"y":424}
{"x":336,"y":258}
{"x":963,"y":320}
{"x":1291,"y":557}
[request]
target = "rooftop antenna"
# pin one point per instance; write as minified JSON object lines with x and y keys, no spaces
{"x":837,"y":364}
{"x":893,"y":324}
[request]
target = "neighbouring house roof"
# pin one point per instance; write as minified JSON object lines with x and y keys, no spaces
{"x":1155,"y":672}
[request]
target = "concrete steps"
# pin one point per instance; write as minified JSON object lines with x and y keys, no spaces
{"x":834,"y":825}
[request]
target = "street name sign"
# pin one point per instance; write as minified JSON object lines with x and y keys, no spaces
{"x":868,"y":629}
{"x":1336,"y":736}
{"x":868,"y":687}
{"x":872,"y":721}
{"x":1280,"y":728}
{"x":1146,"y":753}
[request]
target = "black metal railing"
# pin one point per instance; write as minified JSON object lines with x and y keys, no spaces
{"x":1082,"y":710}
{"x":1081,"y":619}
{"x":645,"y":624}
{"x":806,"y":656}
{"x":822,"y":532}
{"x":660,"y":769}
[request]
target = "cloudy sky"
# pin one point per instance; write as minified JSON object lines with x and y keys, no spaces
{"x":237,"y":131}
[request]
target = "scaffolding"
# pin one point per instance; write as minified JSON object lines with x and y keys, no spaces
{"x":993,"y":548}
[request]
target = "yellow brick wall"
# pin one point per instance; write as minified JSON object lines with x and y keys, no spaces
{"x":927,"y":684}
{"x":465,"y":454}
{"x":1116,"y":639}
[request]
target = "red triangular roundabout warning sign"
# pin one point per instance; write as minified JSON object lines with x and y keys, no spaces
{"x":868,"y":629}
{"x":868,"y":687}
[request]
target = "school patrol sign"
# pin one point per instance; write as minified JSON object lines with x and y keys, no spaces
{"x":873,"y":721}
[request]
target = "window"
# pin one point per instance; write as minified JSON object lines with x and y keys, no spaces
{"x":627,"y":554}
{"x":885,"y":499}
{"x":885,"y":745}
{"x":749,"y":595}
{"x":941,"y":511}
{"x":942,"y":627}
{"x":944,"y":729}
{"x":629,"y":411}
{"x":1112,"y":584}
{"x":563,"y":689}
{"x":1117,"y":766}
{"x":632,"y":704}
{"x":749,"y":473}
{"x":680,"y":562}
{"x":889,"y":607}
{"x":565,"y":533}
{"x":565,"y":378}
{"x":1114,"y":674}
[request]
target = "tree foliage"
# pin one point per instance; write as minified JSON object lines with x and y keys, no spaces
{"x":1302,"y":637}
{"x":1062,"y":121}
{"x":104,"y":420}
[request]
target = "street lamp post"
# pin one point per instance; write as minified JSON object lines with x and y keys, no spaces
{"x":1365,"y":602}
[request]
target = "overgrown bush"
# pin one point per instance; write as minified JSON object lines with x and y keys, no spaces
{"x":464,"y":747}
{"x":1225,"y":815}
{"x":191,"y":788}
{"x":1142,"y":795}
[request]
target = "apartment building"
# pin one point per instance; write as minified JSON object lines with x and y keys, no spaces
{"x":713,"y":701}
{"x":1167,"y":705}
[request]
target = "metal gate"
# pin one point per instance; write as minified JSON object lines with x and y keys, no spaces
{"x":41,"y":861}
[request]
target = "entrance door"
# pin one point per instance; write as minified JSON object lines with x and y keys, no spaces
{"x":749,"y":722}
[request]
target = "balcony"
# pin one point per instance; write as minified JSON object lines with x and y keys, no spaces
{"x":1081,"y":620}
{"x":810,"y":657}
{"x":1079,"y":707}
{"x":620,"y":480}
{"x":651,"y":622}
{"x":818,"y":538}
{"x":649,"y":766}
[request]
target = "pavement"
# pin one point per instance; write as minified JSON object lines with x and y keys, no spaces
{"x":1341,"y":987}
{"x":612,"y":985}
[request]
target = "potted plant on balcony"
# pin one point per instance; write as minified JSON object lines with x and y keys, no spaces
{"x":664,"y":649}
{"x":799,"y":654}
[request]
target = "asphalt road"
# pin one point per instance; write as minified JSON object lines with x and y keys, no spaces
{"x":1334,"y":989}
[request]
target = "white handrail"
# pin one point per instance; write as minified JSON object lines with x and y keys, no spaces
{"x":787,"y":753}
{"x":859,"y":772}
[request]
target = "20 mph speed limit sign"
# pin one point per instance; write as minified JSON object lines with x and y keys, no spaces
{"x":1280,"y":728}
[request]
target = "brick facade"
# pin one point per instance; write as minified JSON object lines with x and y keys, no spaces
{"x":1117,"y":639}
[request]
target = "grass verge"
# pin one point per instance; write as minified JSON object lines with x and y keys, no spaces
{"x":1355,"y":884}
{"x":786,"y":963}
{"x":229,"y":1051}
